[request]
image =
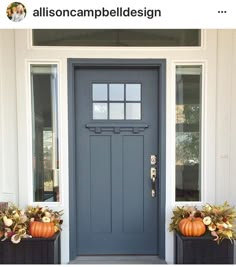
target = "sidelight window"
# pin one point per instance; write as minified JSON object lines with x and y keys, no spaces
{"x":188,"y":133}
{"x":44,"y":92}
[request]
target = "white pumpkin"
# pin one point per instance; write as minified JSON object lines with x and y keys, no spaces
{"x":46,"y":219}
{"x":16,"y":239}
{"x":7,"y":222}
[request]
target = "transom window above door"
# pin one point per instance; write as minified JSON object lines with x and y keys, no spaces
{"x":117,"y":37}
{"x":116,"y":101}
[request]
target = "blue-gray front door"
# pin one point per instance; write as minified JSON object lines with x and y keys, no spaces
{"x":116,"y":133}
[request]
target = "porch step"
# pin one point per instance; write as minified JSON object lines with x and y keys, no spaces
{"x":118,"y":260}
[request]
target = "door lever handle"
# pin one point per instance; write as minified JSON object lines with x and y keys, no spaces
{"x":153,"y":176}
{"x":153,"y":172}
{"x":153,"y":188}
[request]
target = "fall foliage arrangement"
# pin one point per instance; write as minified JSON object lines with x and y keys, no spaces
{"x":16,"y":223}
{"x":219,"y":221}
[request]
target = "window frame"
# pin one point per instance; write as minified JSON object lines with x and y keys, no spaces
{"x":90,"y":48}
{"x":57,"y":64}
{"x":202,"y":131}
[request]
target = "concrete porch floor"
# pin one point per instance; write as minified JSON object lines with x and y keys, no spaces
{"x":124,"y":259}
{"x":118,"y":260}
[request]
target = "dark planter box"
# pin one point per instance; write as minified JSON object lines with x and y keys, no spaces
{"x":202,"y":250}
{"x":31,"y":251}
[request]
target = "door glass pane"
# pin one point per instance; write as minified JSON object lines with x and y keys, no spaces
{"x":100,"y":111}
{"x":44,"y":91}
{"x":133,"y":92}
{"x":133,"y":111}
{"x":116,"y":92}
{"x":116,"y":111}
{"x":117,"y":37}
{"x":188,"y":133}
{"x":123,"y":100}
{"x":99,"y":92}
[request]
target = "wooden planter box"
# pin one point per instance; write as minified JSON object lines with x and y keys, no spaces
{"x":31,"y":251}
{"x":202,"y":250}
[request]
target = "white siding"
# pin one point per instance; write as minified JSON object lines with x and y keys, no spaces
{"x":232,"y":133}
{"x":226,"y":117}
{"x":8,"y":119}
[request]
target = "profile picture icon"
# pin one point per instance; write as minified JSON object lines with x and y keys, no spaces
{"x":16,"y":11}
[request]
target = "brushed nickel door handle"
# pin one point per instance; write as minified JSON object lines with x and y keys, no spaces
{"x":153,"y":176}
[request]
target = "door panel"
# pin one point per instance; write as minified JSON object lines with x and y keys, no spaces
{"x":116,"y":213}
{"x":133,"y":184}
{"x":100,"y":177}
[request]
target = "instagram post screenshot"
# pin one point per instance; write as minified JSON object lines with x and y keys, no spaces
{"x":117,"y":132}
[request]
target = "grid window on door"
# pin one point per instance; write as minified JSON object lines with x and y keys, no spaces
{"x":116,"y":101}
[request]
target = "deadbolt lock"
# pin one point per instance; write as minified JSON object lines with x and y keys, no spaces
{"x":153,"y":159}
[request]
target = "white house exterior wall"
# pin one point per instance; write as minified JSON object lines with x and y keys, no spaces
{"x":218,"y":57}
{"x":226,"y":117}
{"x":8,"y":119}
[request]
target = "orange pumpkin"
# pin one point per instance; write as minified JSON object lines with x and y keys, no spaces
{"x":42,"y":229}
{"x":192,"y":226}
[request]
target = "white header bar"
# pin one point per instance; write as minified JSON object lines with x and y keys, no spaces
{"x":122,"y":14}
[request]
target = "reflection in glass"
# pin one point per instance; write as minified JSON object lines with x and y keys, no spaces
{"x":187,"y":114}
{"x":187,"y":148}
{"x":116,"y":37}
{"x":188,"y":136}
{"x":48,"y":156}
{"x":99,"y":92}
{"x":116,"y":111}
{"x":133,"y":111}
{"x":133,"y":92}
{"x":45,"y":133}
{"x":100,"y":111}
{"x":116,"y":92}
